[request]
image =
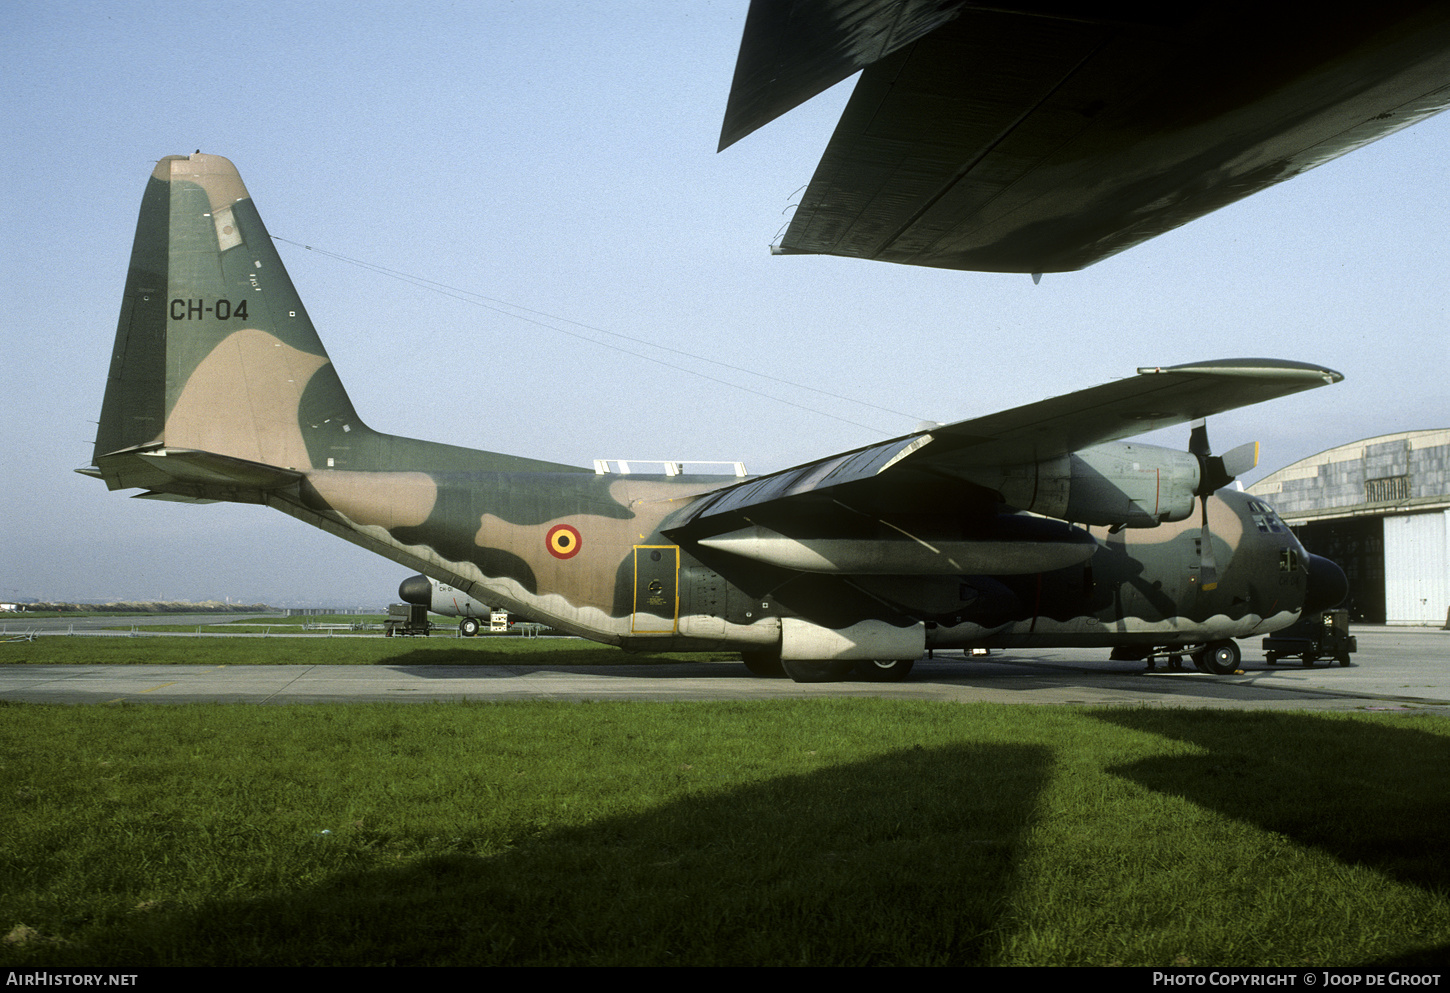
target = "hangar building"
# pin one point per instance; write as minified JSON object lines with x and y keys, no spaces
{"x":1381,"y":509}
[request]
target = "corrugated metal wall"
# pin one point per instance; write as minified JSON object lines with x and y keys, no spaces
{"x":1417,"y":568}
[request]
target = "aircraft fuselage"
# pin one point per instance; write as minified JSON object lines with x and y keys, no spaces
{"x":593,"y":555}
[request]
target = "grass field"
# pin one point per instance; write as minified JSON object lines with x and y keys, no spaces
{"x":294,"y":623}
{"x":822,"y":832}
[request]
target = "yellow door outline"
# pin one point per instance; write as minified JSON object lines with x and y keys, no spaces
{"x":656,"y":589}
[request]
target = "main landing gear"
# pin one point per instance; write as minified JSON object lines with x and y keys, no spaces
{"x":884,"y":670}
{"x":762,"y":663}
{"x":1221,"y":658}
{"x":868,"y":670}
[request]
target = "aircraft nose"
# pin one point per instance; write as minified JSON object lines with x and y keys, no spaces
{"x":417,"y":589}
{"x":1327,"y":587}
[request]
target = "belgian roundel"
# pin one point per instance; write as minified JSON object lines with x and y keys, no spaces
{"x":564,"y":541}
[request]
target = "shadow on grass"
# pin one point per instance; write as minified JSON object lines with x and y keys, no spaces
{"x":907,"y":858}
{"x":1368,"y":794}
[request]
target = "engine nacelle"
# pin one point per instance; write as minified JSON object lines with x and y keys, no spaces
{"x":1121,"y":483}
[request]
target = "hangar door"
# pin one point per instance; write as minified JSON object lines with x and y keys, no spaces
{"x":1417,"y":568}
{"x":1358,"y":545}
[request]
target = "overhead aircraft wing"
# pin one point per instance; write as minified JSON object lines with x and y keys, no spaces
{"x":793,"y":51}
{"x":923,"y":465}
{"x":1031,"y":136}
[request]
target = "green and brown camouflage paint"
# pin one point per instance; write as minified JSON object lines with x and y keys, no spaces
{"x":220,"y":389}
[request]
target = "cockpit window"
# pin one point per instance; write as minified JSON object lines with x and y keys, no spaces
{"x":1265,"y":519}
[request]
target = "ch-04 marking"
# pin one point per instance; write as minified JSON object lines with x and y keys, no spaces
{"x":196,"y":310}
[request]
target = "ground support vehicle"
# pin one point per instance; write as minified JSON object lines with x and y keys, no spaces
{"x":1323,"y":635}
{"x":406,"y":619}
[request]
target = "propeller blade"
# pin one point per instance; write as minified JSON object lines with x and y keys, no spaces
{"x":1241,"y":460}
{"x":1207,"y":566}
{"x":1198,"y":440}
{"x":1215,"y":473}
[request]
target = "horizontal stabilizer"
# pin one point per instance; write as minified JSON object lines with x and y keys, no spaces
{"x":209,"y":468}
{"x":190,"y":475}
{"x":172,"y":497}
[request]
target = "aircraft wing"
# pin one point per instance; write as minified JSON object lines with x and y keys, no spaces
{"x":1023,"y":136}
{"x":929,"y":466}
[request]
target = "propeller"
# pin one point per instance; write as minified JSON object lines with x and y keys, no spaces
{"x":1214,"y":473}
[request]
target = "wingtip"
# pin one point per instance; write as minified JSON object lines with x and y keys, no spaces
{"x":1265,"y":368}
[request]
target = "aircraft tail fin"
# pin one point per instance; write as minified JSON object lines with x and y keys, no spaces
{"x":216,"y":354}
{"x":214,"y":351}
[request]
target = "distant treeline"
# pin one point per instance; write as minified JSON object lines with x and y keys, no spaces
{"x":149,"y":607}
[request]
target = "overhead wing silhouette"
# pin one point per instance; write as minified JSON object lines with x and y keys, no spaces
{"x":1046,"y":136}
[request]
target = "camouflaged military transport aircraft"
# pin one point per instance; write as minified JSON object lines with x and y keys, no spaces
{"x":446,"y":601}
{"x":1032,"y":527}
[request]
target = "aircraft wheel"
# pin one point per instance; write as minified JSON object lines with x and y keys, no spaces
{"x":884,"y":670}
{"x":468,"y":627}
{"x":763,"y":663}
{"x":816,"y":672}
{"x":1220,"y":657}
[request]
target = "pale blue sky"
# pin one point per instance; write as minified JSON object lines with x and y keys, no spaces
{"x":561,"y":157}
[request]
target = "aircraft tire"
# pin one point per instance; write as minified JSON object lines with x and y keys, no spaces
{"x":1219,"y":657}
{"x":468,"y":627}
{"x":763,"y":663}
{"x":884,"y":670}
{"x":816,"y":672}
